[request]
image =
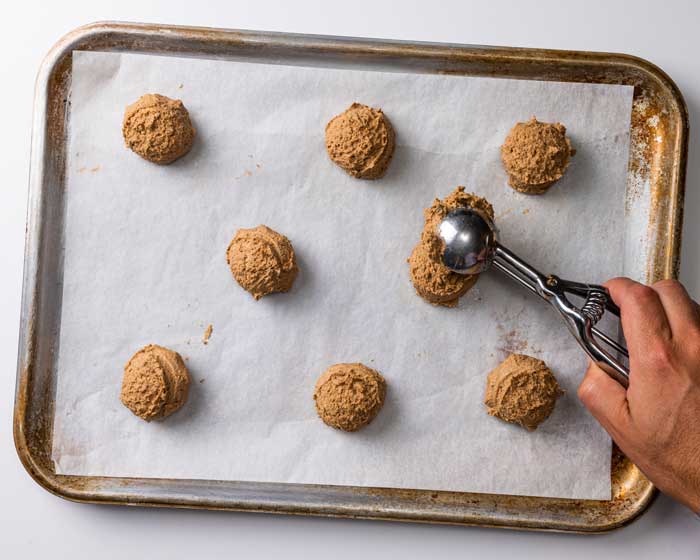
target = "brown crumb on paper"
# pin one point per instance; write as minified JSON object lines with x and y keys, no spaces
{"x":503,"y":214}
{"x":90,"y":169}
{"x":512,"y":342}
{"x":246,"y":173}
{"x":207,"y":334}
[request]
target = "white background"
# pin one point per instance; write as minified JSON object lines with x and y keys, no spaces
{"x":35,"y":524}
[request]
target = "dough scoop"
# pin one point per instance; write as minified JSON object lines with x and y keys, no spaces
{"x":471,"y":247}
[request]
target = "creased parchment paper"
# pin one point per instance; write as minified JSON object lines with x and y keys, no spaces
{"x":145,"y":263}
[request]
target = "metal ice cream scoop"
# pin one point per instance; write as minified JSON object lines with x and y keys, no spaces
{"x":471,"y":246}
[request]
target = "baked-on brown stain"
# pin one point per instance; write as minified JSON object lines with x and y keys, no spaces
{"x":349,"y":396}
{"x":433,"y":281}
{"x":535,"y":155}
{"x":155,"y":383}
{"x":522,"y":390}
{"x":361,"y":141}
{"x":158,"y":128}
{"x":262,"y":261}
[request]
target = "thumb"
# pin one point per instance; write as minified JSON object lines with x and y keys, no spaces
{"x":606,"y":400}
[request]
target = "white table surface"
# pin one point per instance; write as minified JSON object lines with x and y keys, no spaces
{"x":35,"y":524}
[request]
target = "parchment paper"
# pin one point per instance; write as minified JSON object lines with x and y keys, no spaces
{"x":145,"y":263}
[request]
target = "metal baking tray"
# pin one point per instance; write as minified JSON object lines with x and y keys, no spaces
{"x":657,"y":157}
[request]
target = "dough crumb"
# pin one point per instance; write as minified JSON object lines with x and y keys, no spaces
{"x":207,"y":334}
{"x":349,"y":396}
{"x":535,"y":155}
{"x":262,"y":261}
{"x":522,"y":390}
{"x":155,"y":383}
{"x":158,"y":128}
{"x":361,"y":141}
{"x":432,"y":280}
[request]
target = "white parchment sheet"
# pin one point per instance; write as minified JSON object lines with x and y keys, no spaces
{"x":145,"y":263}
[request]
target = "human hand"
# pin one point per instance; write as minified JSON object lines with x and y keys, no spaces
{"x":656,"y":421}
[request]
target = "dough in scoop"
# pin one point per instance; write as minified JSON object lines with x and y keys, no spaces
{"x":433,"y":281}
{"x":523,"y":390}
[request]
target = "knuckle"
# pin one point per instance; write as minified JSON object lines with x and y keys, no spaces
{"x":691,"y":338}
{"x":666,"y":284}
{"x":615,"y":281}
{"x":641,"y":293}
{"x":586,"y":391}
{"x":583,"y":391}
{"x":660,"y":355}
{"x":694,"y":349}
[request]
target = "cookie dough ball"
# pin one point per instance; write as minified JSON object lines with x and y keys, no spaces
{"x":535,"y":155}
{"x":158,"y":128}
{"x":262,"y":261}
{"x":155,"y":383}
{"x":522,"y":390}
{"x":349,"y":396}
{"x":361,"y":141}
{"x":433,"y":281}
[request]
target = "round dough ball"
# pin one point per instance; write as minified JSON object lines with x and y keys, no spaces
{"x":349,"y":396}
{"x":158,"y":128}
{"x":535,"y":155}
{"x":155,"y":383}
{"x":433,"y":281}
{"x":522,"y":390}
{"x":361,"y":141}
{"x":262,"y":261}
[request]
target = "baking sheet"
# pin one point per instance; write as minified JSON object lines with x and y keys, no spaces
{"x":145,"y":262}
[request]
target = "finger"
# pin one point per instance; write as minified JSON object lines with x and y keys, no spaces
{"x":606,"y":400}
{"x":642,"y":315}
{"x":681,"y":311}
